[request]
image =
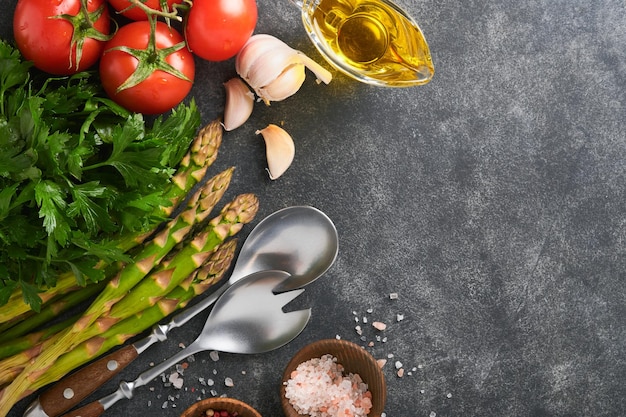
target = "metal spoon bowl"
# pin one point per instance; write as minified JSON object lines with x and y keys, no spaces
{"x":300,"y":240}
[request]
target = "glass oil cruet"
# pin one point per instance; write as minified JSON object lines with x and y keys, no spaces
{"x":373,"y":41}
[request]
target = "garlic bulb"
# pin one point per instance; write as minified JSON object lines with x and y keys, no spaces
{"x":273,"y":69}
{"x":279,"y":149}
{"x":239,"y":103}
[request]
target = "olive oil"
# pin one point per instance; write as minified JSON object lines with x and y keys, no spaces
{"x":373,"y":41}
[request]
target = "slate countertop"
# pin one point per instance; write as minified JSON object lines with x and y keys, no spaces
{"x":491,"y":200}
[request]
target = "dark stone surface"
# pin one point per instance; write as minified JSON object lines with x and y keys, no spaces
{"x":491,"y":200}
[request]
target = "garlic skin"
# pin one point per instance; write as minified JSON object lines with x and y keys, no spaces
{"x":273,"y":69}
{"x":279,"y":149}
{"x":239,"y":103}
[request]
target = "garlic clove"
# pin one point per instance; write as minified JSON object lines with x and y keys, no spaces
{"x":255,"y":47}
{"x":239,"y":103}
{"x":285,"y":85}
{"x":320,"y":72}
{"x":269,"y":66}
{"x":279,"y":149}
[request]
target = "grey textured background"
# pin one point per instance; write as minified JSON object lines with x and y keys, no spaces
{"x":491,"y":200}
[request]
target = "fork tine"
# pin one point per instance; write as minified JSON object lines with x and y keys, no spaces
{"x":287,"y":297}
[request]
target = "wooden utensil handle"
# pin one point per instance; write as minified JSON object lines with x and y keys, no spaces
{"x":94,"y":409}
{"x":71,"y":390}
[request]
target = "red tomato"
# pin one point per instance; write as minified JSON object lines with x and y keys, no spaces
{"x":46,"y":40}
{"x":217,"y":29}
{"x":135,"y":13}
{"x":161,"y":90}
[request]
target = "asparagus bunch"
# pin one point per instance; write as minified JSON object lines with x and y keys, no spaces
{"x":203,"y":278}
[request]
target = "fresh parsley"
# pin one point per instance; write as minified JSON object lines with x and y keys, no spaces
{"x":77,"y":171}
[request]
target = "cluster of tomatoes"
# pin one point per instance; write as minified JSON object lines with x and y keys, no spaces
{"x":145,"y":64}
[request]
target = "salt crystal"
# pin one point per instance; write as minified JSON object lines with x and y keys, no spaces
{"x":370,"y":310}
{"x":364,"y":319}
{"x":358,"y":329}
{"x":379,"y":325}
{"x":210,"y":382}
{"x":229,"y":382}
{"x":181,"y":345}
{"x":400,"y":372}
{"x":422,"y":391}
{"x":176,"y":380}
{"x":356,"y":319}
{"x":214,"y":355}
{"x":214,"y":393}
{"x":164,"y":405}
{"x":381,"y":362}
{"x":399,"y":317}
{"x":370,"y":344}
{"x":385,"y":339}
{"x":390,"y":355}
{"x":449,"y":395}
{"x":354,"y":312}
{"x":393,"y":296}
{"x":398,"y":364}
{"x":433,"y":414}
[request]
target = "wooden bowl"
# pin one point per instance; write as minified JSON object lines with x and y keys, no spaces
{"x":354,"y":359}
{"x":220,"y":403}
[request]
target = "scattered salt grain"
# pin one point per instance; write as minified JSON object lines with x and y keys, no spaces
{"x":398,"y":364}
{"x":381,"y":362}
{"x":214,"y":355}
{"x":379,"y":325}
{"x":449,"y":395}
{"x":370,"y":310}
{"x":433,"y":414}
{"x":399,"y":317}
{"x":229,"y":382}
{"x":400,"y":372}
{"x":176,"y":380}
{"x":319,"y":388}
{"x":393,"y":296}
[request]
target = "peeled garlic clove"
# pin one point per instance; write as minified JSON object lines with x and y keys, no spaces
{"x":285,"y":85}
{"x":239,"y":103}
{"x":279,"y":149}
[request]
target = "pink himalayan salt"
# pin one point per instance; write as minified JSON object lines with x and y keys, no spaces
{"x":318,"y":388}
